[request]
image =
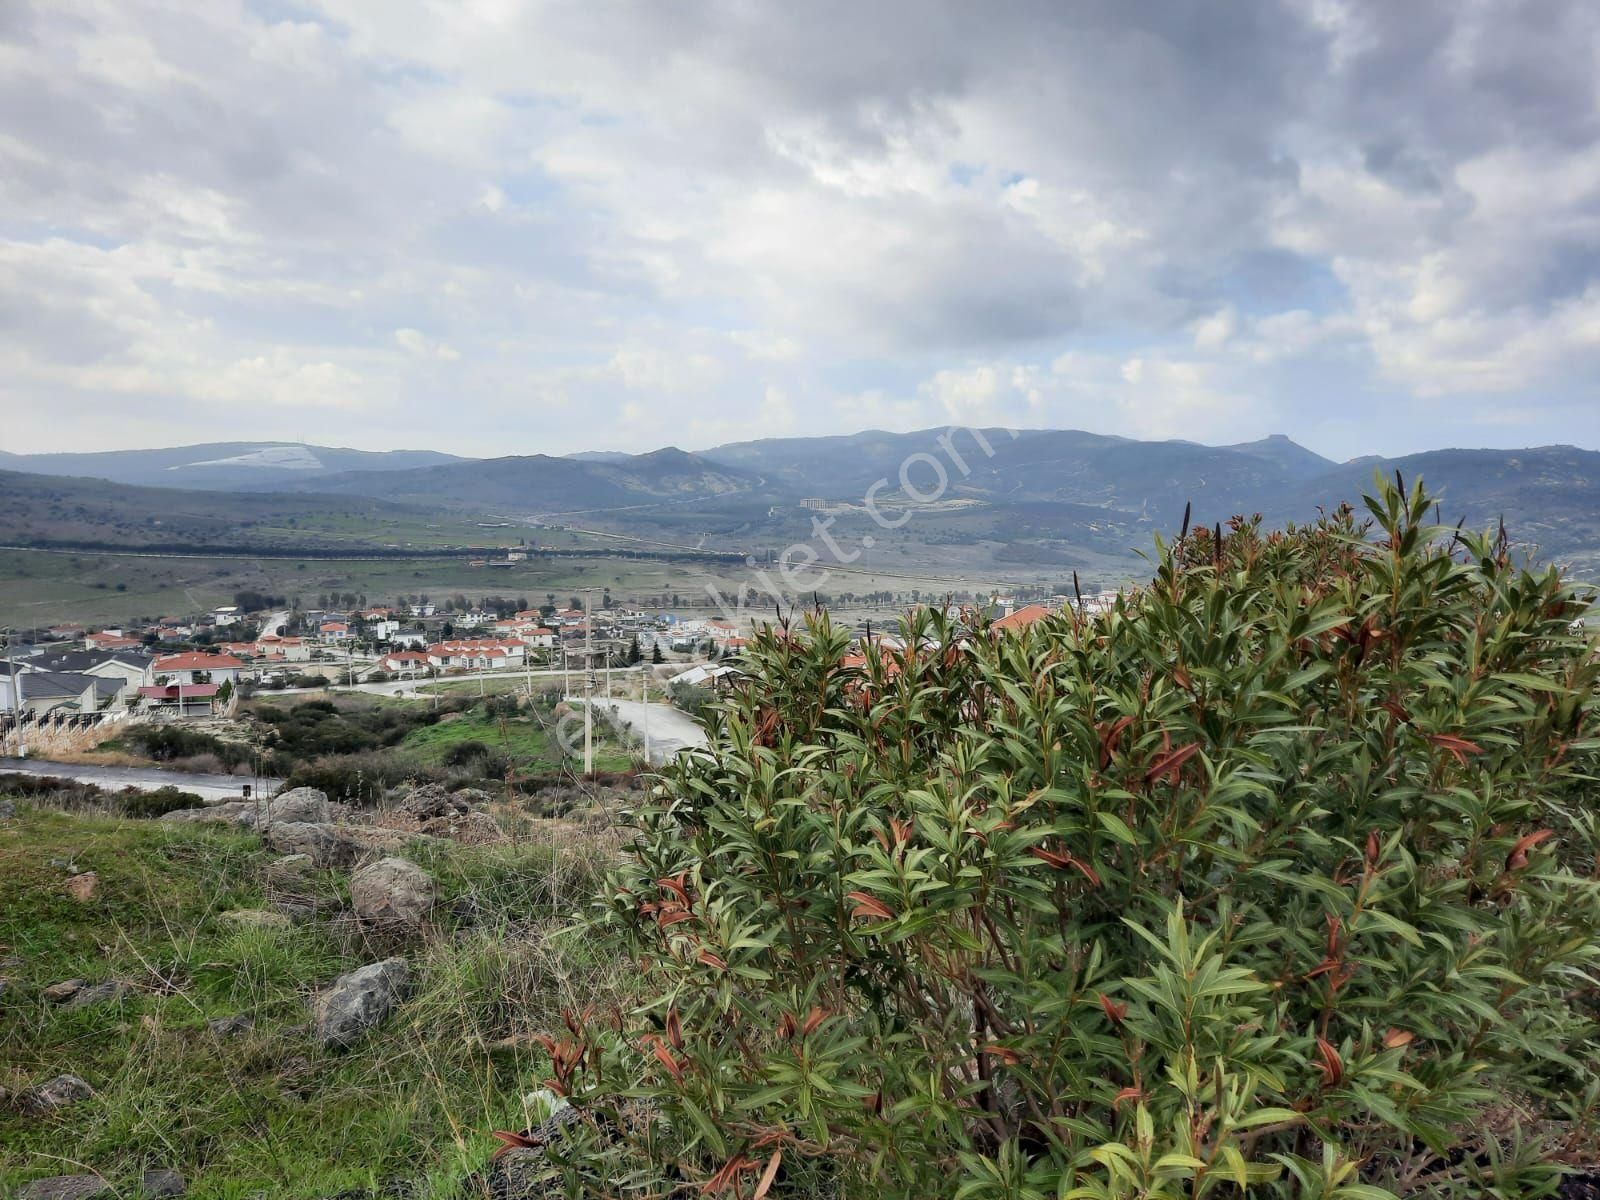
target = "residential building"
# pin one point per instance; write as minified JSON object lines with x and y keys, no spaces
{"x":197,"y":668}
{"x":181,"y":699}
{"x":405,"y":663}
{"x":110,"y":639}
{"x":226,"y":615}
{"x":334,"y":631}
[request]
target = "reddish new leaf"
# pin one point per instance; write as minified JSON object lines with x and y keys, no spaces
{"x":1169,"y":765}
{"x":869,"y":906}
{"x":1518,"y":858}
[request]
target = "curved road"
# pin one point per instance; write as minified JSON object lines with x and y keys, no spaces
{"x":671,"y":729}
{"x":145,"y":779}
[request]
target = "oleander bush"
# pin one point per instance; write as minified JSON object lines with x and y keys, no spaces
{"x":1276,"y":879}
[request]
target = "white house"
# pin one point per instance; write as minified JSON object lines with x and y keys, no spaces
{"x":197,"y":668}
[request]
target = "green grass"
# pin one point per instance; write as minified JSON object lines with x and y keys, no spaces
{"x":270,"y":1112}
{"x":524,"y":739}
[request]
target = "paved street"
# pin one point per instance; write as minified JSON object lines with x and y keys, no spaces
{"x":670,"y":728}
{"x":146,"y":779}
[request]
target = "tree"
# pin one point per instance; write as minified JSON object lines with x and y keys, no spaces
{"x":635,"y":655}
{"x":655,"y":654}
{"x":575,"y":603}
{"x":1274,"y":879}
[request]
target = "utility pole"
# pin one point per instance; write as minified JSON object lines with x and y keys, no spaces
{"x":16,"y":690}
{"x":588,"y":686}
{"x":644,"y":684}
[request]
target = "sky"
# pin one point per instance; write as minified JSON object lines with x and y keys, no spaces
{"x":495,"y":227}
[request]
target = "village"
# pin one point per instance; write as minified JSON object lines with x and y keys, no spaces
{"x":200,"y":666}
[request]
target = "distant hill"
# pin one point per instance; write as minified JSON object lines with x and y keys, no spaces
{"x":1290,"y":455}
{"x":1034,"y":496}
{"x":223,"y":466}
{"x":39,"y":509}
{"x":1548,"y":495}
{"x":1002,"y":466}
{"x":541,"y":483}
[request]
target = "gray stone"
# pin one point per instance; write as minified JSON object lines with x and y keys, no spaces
{"x":392,"y":893}
{"x":359,"y":1001}
{"x":233,"y":1026}
{"x":8,"y":809}
{"x":161,"y":1184}
{"x":325,"y":845}
{"x":300,"y":804}
{"x":57,"y":1093}
{"x":428,"y":800}
{"x":101,"y":993}
{"x":296,"y":806}
{"x":58,"y":993}
{"x":65,"y":1187}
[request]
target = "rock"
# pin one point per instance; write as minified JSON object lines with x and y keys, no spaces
{"x":296,"y":806}
{"x":323,"y":844}
{"x":296,"y":909}
{"x":57,"y":1093}
{"x":469,"y":829}
{"x":101,"y":993}
{"x":255,"y":918}
{"x":81,"y":887}
{"x":300,"y":804}
{"x":233,"y":1026}
{"x":57,"y":993}
{"x":359,"y":1001}
{"x":65,"y":1187}
{"x":8,"y":809}
{"x":392,"y":893}
{"x":524,"y":1173}
{"x":161,"y":1184}
{"x":472,"y":797}
{"x":428,"y":800}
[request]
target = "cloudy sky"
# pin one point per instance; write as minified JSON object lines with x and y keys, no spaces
{"x":495,"y":227}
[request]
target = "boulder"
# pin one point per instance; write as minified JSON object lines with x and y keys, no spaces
{"x":429,"y":800}
{"x":296,"y":806}
{"x":8,"y":809}
{"x":65,"y":1187}
{"x":161,"y":1184}
{"x":325,"y":845}
{"x":392,"y":893}
{"x":359,"y":1001}
{"x":57,"y":1093}
{"x":101,"y":993}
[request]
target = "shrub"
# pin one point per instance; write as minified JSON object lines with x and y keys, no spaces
{"x":1275,"y":878}
{"x":188,"y":749}
{"x":360,"y":778}
{"x":153,"y":804}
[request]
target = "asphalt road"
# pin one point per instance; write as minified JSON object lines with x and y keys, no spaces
{"x":146,"y":779}
{"x":671,"y":729}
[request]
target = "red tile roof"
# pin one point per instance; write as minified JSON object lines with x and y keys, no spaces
{"x":1026,"y":615}
{"x":190,"y":691}
{"x":197,"y":662}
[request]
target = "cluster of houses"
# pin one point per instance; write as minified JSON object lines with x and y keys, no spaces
{"x":96,"y":681}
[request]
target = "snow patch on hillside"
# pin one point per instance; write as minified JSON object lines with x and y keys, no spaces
{"x":278,"y":458}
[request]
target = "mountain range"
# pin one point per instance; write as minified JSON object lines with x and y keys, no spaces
{"x":1046,"y":487}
